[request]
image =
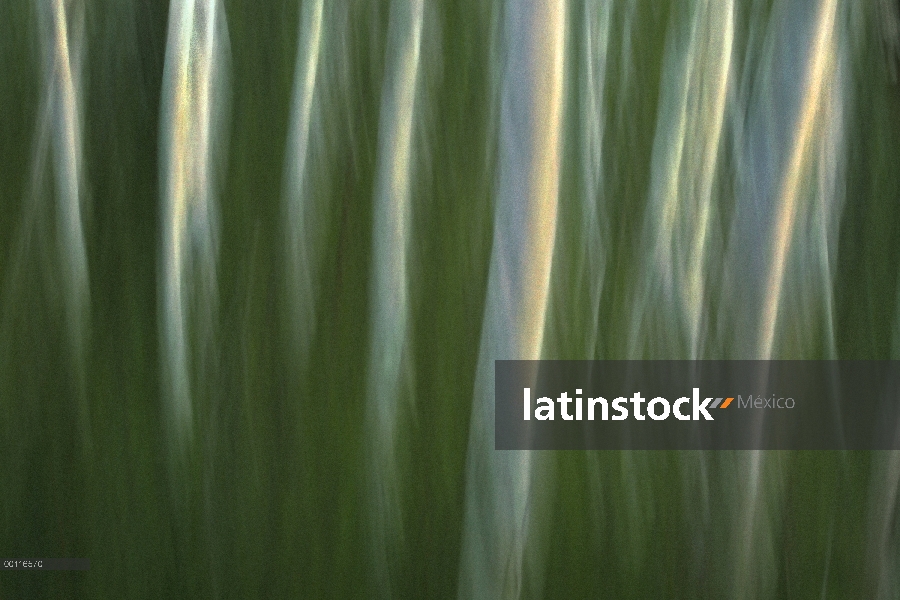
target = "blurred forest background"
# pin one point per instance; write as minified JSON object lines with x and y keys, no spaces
{"x":257,"y":258}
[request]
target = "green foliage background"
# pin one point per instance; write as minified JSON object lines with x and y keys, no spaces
{"x":271,"y":498}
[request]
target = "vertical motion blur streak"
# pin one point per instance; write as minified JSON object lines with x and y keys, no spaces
{"x":789,"y":134}
{"x":686,"y":149}
{"x":194,"y":93}
{"x":63,"y":92}
{"x":389,"y":352}
{"x":811,"y":138}
{"x":500,"y":492}
{"x":782,"y":160}
{"x":300,"y":214}
{"x":57,"y":144}
{"x":595,"y":216}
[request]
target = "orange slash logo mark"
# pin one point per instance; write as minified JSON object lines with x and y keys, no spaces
{"x":726,"y":403}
